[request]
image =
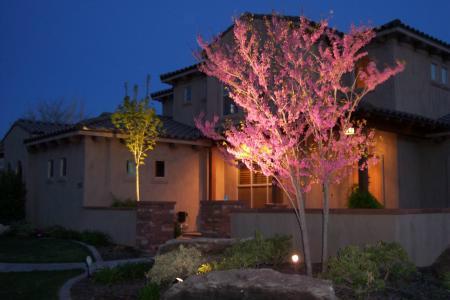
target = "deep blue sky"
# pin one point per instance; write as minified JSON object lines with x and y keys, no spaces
{"x":86,"y":49}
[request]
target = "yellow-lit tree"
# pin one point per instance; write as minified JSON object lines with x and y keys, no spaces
{"x":139,"y":122}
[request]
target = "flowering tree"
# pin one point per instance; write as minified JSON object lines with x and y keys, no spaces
{"x":296,"y":85}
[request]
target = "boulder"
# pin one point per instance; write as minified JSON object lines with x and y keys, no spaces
{"x":207,"y":246}
{"x":263,"y":284}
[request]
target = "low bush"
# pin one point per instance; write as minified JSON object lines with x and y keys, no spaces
{"x":369,"y":269}
{"x":91,"y":237}
{"x":446,"y":280}
{"x":179,"y":263}
{"x":150,"y":292}
{"x":20,"y":229}
{"x":12,"y":197}
{"x":257,"y":252}
{"x":95,"y":238}
{"x":362,"y":199}
{"x":128,"y":202}
{"x":122,"y":273}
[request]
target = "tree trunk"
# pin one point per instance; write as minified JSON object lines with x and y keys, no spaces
{"x":325,"y":215}
{"x":304,"y":231}
{"x":138,"y":197}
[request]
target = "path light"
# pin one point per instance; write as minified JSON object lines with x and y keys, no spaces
{"x":295,"y":261}
{"x":88,"y":265}
{"x":178,"y":279}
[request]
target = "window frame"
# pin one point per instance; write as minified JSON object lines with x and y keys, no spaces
{"x":63,"y":167}
{"x":268,"y":184}
{"x":444,"y":75}
{"x":155,"y":166}
{"x":50,"y":169}
{"x":130,"y":168}
{"x":434,"y":71}
{"x":187,"y":94}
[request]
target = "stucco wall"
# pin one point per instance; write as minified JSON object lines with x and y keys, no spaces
{"x":423,"y":235}
{"x":184,"y":183}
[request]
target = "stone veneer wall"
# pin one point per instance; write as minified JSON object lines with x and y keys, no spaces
{"x":214,"y":217}
{"x":154,"y":224}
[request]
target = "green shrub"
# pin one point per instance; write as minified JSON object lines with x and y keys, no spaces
{"x":91,"y":237}
{"x":180,"y":263}
{"x":128,"y":202}
{"x":12,"y":197}
{"x":446,"y":280}
{"x":362,"y":199}
{"x":149,"y":292}
{"x":369,"y":269}
{"x":20,"y":229}
{"x":122,"y":273}
{"x":257,"y":252}
{"x":59,"y":232}
{"x":95,"y":238}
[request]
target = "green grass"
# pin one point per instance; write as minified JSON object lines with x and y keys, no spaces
{"x":35,"y":250}
{"x":33,"y":285}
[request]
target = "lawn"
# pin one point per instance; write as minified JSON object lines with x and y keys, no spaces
{"x":33,"y":285}
{"x":40,"y":250}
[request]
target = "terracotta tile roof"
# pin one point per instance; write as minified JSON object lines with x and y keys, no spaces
{"x":171,"y":129}
{"x":445,"y":119}
{"x":399,"y":24}
{"x":167,"y":75}
{"x":158,"y":94}
{"x":39,"y":127}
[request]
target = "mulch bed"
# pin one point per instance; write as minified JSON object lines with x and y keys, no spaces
{"x":86,"y":289}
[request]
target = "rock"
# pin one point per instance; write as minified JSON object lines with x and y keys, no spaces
{"x":4,"y":229}
{"x":442,"y":264}
{"x":208,"y":246}
{"x":261,"y":284}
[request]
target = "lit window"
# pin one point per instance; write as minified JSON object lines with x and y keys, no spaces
{"x":444,"y":75}
{"x":50,"y":168}
{"x":433,"y":71}
{"x":187,"y":94}
{"x":131,"y":168}
{"x":62,"y":167}
{"x":160,"y":168}
{"x":254,"y":188}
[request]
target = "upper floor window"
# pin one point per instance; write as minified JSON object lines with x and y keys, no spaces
{"x":229,"y":107}
{"x":160,"y":169}
{"x":433,"y":71}
{"x":62,"y":167}
{"x":444,"y":75}
{"x":131,"y":168}
{"x":50,"y":168}
{"x":187,"y":94}
{"x":19,"y":168}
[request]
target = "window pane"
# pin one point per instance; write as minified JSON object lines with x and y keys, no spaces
{"x":244,"y":176}
{"x":260,"y":196}
{"x":433,"y":71}
{"x":50,"y":168}
{"x":244,"y":194}
{"x":159,"y":168}
{"x":131,"y":168}
{"x":259,"y":178}
{"x":63,"y":167}
{"x":444,"y":75}
{"x":229,"y":107}
{"x":187,"y":94}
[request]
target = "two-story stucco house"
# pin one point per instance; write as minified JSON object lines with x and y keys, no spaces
{"x":69,"y":169}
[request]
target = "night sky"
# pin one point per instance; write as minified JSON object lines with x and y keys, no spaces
{"x":86,"y":49}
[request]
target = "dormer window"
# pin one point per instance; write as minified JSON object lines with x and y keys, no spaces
{"x":433,"y":71}
{"x":187,"y":94}
{"x":444,"y":76}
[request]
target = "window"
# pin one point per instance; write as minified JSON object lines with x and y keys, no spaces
{"x":62,"y":167}
{"x":50,"y":169}
{"x":254,"y":188}
{"x":229,"y":107}
{"x":444,"y":75}
{"x":19,"y":168}
{"x":160,"y":169}
{"x":131,"y":168}
{"x":433,"y":71}
{"x":187,"y":94}
{"x":361,"y":66}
